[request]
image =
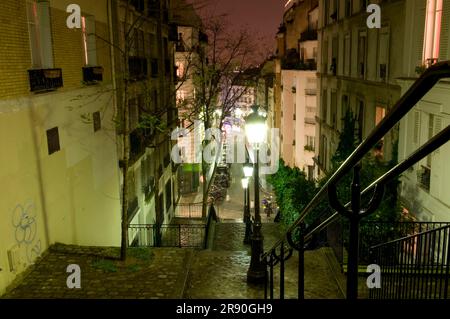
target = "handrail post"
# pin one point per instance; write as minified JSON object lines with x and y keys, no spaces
{"x":447,"y":266}
{"x":301,"y":263}
{"x":282,"y":271}
{"x":354,"y":218}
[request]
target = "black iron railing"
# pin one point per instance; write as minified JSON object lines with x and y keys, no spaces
{"x":189,"y":210}
{"x":92,"y":74}
{"x":353,"y":212}
{"x":45,"y":79}
{"x":177,"y":235}
{"x":414,"y":267}
{"x":371,"y":234}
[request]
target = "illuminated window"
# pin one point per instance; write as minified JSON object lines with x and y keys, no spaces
{"x":180,"y":69}
{"x":432,"y":33}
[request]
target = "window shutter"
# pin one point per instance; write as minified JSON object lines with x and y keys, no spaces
{"x":444,"y":36}
{"x":416,"y":127}
{"x":419,"y":30}
{"x":437,"y":127}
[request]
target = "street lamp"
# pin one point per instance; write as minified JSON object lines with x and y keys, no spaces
{"x":248,"y":172}
{"x":256,"y":131}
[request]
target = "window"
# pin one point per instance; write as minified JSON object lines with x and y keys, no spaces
{"x":323,"y":151}
{"x":348,"y":8}
{"x":326,"y":11}
{"x":97,"y":121}
{"x":433,"y":21}
{"x":325,"y":106}
{"x":39,"y":28}
{"x":362,"y":54}
{"x":335,"y":12}
{"x":383,"y":54}
{"x":310,"y":172}
{"x":310,"y":144}
{"x":380,"y":113}
{"x":325,"y":56}
{"x":334,"y":55}
{"x":424,"y":172}
{"x":89,"y":45}
{"x":180,"y":69}
{"x":333,"y":114}
{"x":347,"y":54}
{"x":53,"y":140}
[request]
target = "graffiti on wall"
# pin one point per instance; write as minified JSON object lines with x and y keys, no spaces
{"x":24,"y":221}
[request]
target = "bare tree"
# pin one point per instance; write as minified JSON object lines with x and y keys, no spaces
{"x":221,"y":66}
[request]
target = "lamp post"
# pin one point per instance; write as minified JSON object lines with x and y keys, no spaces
{"x":256,"y":130}
{"x":248,"y":172}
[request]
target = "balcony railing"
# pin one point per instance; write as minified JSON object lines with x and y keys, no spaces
{"x":92,"y":74}
{"x":307,"y":65}
{"x":354,"y":212}
{"x":310,"y":35}
{"x":45,"y":79}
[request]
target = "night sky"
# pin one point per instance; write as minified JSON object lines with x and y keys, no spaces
{"x":260,"y":17}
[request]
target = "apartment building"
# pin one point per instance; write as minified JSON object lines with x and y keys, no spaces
{"x":358,"y":71}
{"x":148,"y":72}
{"x":295,"y":92}
{"x":60,"y":101}
{"x":189,"y":54}
{"x":59,"y":163}
{"x":424,"y":188}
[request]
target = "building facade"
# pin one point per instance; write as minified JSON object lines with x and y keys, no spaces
{"x":358,"y":71}
{"x":189,"y":53}
{"x":424,"y":187}
{"x":297,"y":84}
{"x":60,"y":97}
{"x":147,"y":75}
{"x":59,"y":163}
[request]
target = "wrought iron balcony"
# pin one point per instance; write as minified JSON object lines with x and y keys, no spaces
{"x":92,"y":74}
{"x":309,"y":35}
{"x":45,"y":79}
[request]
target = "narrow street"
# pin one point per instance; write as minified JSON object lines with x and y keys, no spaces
{"x":232,"y":209}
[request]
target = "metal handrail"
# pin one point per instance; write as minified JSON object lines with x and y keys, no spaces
{"x":432,"y":145}
{"x":414,"y":94}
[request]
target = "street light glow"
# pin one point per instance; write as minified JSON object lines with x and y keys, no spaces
{"x":255,"y":127}
{"x":244,"y":182}
{"x":248,"y":170}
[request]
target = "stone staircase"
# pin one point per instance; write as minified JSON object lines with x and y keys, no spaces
{"x":221,"y":272}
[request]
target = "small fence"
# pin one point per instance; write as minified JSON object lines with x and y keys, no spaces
{"x":188,"y":210}
{"x":414,"y":267}
{"x":182,"y":235}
